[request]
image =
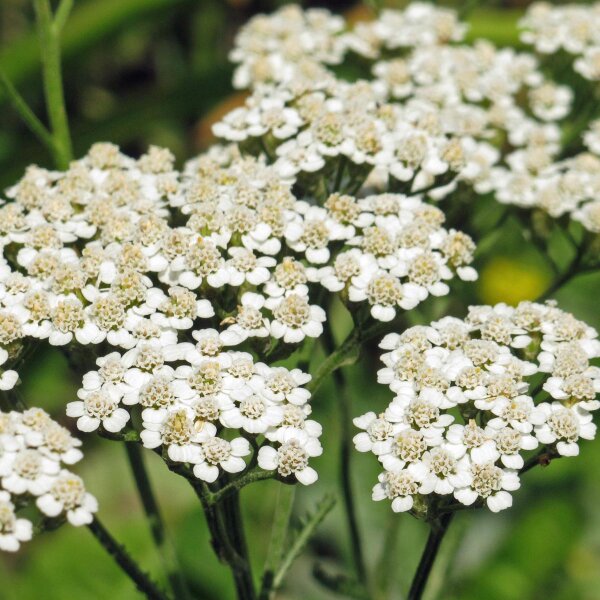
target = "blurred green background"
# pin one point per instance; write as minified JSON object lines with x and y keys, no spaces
{"x":155,"y":71}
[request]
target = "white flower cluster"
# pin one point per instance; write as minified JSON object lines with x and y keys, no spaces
{"x":171,"y":267}
{"x":286,"y":44}
{"x":389,"y":250}
{"x":34,"y":450}
{"x":473,"y":396}
{"x":421,"y":114}
{"x":572,"y":28}
{"x":292,"y":44}
{"x":567,"y":187}
{"x":205,"y":406}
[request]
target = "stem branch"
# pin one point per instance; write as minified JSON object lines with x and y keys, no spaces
{"x":48,"y":32}
{"x":155,"y":521}
{"x":143,"y":583}
{"x":28,"y":116}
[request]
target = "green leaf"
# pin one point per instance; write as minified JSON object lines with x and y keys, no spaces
{"x":302,"y":535}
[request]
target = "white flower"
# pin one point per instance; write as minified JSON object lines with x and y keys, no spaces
{"x":564,"y":427}
{"x":68,"y":496}
{"x":443,"y":470}
{"x":29,"y":471}
{"x":400,"y":486}
{"x":249,"y":321}
{"x":99,"y":407}
{"x":294,"y":318}
{"x":13,"y":530}
{"x":490,"y":483}
{"x":217,"y":452}
{"x":378,"y":434}
{"x":254,"y":414}
{"x":291,"y":457}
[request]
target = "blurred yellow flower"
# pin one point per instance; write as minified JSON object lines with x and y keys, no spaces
{"x":509,"y":280}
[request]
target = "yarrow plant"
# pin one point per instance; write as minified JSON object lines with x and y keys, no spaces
{"x":191,"y":302}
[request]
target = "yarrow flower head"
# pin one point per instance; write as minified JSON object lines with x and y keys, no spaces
{"x":474,"y":397}
{"x":35,"y":452}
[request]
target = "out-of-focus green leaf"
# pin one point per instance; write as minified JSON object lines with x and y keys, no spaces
{"x":89,"y":23}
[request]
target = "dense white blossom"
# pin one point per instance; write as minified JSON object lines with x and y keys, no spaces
{"x":465,"y":411}
{"x":34,"y":450}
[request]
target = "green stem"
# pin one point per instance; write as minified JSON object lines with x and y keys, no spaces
{"x":234,"y":529}
{"x":572,"y":270}
{"x":237,"y":484}
{"x":29,"y":118}
{"x":155,"y":521}
{"x":62,"y":14}
{"x":543,"y":458}
{"x":345,"y":407}
{"x":346,"y":477}
{"x":219,"y":520}
{"x":348,"y":351}
{"x":143,"y":583}
{"x":301,"y":539}
{"x":438,"y":531}
{"x":335,"y":360}
{"x":48,"y":33}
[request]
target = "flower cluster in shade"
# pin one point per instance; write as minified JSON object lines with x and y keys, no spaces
{"x":570,"y":186}
{"x":474,"y":398}
{"x":35,"y":453}
{"x":573,"y":29}
{"x":417,"y":109}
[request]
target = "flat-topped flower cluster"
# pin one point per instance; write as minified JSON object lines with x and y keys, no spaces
{"x":205,"y":406}
{"x":186,"y":286}
{"x":35,"y":452}
{"x":569,"y":187}
{"x":416,"y":118}
{"x":173,"y":268}
{"x":573,"y":29}
{"x":91,"y":256}
{"x":402,"y":103}
{"x":473,"y":397}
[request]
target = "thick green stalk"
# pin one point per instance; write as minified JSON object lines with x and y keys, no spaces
{"x":345,"y":474}
{"x":155,"y":521}
{"x":300,"y":540}
{"x":143,"y":583}
{"x":62,"y":14}
{"x":434,"y":541}
{"x":49,"y":38}
{"x":230,"y":544}
{"x":237,"y":484}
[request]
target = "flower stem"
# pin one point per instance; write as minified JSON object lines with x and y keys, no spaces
{"x":346,"y":478}
{"x":143,"y":583}
{"x":345,"y":407}
{"x":572,"y":270}
{"x":238,"y":483}
{"x":543,"y":458}
{"x":155,"y":521}
{"x":49,"y":34}
{"x":242,"y":571}
{"x":28,"y":116}
{"x":438,"y":530}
